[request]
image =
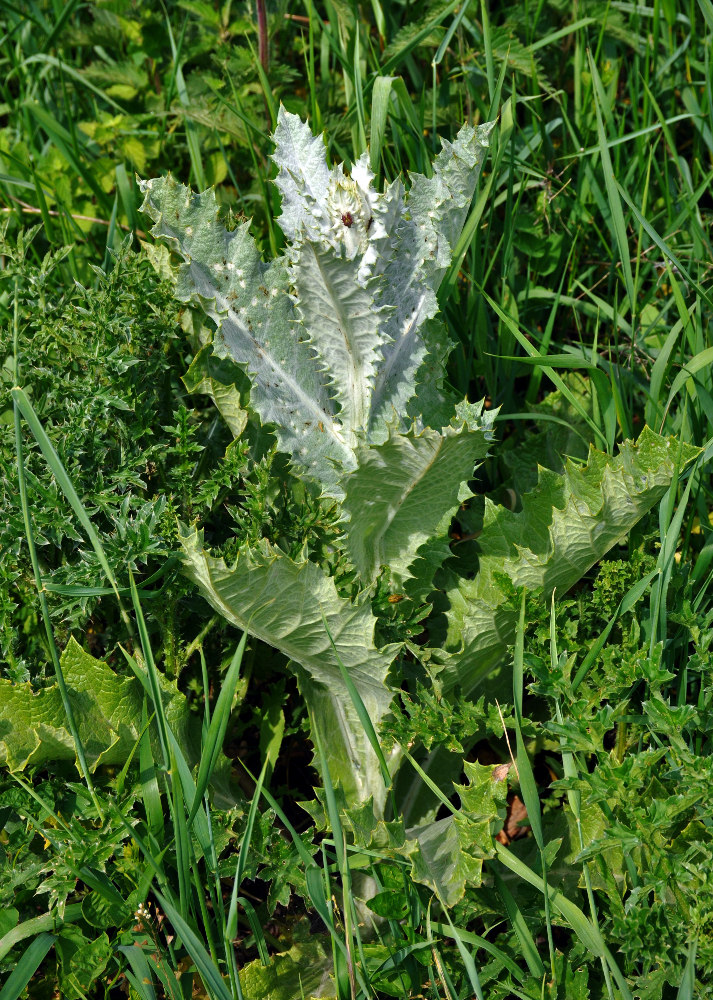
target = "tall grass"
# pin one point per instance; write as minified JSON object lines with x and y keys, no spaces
{"x":587,"y":250}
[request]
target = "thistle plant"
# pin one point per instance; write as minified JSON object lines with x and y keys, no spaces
{"x":342,"y":342}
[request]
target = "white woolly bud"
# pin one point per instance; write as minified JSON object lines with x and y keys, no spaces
{"x":349,"y":213}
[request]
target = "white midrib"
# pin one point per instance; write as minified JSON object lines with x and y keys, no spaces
{"x":396,"y":508}
{"x":356,"y":373}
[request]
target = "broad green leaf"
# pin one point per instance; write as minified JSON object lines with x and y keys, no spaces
{"x":405,"y":491}
{"x":567,"y":523}
{"x":439,"y":204}
{"x":449,"y":853}
{"x":81,"y":961}
{"x":285,"y":603}
{"x":306,"y":970}
{"x":217,"y":378}
{"x":102,"y":912}
{"x":441,"y":860}
{"x":9,"y":918}
{"x":107,"y":707}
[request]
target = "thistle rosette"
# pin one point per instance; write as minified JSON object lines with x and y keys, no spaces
{"x":345,"y":352}
{"x":340,"y":335}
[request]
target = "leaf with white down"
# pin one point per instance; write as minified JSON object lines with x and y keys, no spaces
{"x":362,"y":271}
{"x":250,"y":303}
{"x":327,"y":206}
{"x":405,"y":491}
{"x":567,"y":523}
{"x":440,"y":203}
{"x":342,"y":323}
{"x":286,"y":603}
{"x":302,"y":178}
{"x":425,"y":236}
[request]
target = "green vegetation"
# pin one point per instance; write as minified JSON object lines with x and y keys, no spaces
{"x":381,"y":668}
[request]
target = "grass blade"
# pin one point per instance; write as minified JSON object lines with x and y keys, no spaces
{"x":380,"y":100}
{"x":232,"y":921}
{"x":63,"y":481}
{"x":141,"y":971}
{"x":590,"y":936}
{"x":468,"y":962}
{"x":522,"y":931}
{"x":27,"y":966}
{"x":617,"y":216}
{"x":18,"y":398}
{"x":209,"y":974}
{"x":528,"y":785}
{"x":213,"y":742}
{"x":49,"y":921}
{"x":688,"y":980}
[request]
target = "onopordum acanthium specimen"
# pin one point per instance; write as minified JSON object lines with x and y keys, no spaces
{"x":340,"y":336}
{"x":341,"y":340}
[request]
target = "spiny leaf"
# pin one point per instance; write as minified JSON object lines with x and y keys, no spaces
{"x":249,"y":302}
{"x":217,"y":378}
{"x":338,"y":336}
{"x":107,"y":708}
{"x":567,"y":523}
{"x":424,"y":241}
{"x":449,"y":852}
{"x":286,"y":604}
{"x":405,"y":491}
{"x":302,"y":177}
{"x":306,"y":970}
{"x":341,"y":322}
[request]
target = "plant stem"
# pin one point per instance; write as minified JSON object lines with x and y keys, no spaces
{"x":263,"y":49}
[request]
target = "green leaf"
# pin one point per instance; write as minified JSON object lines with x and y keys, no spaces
{"x":34,"y":731}
{"x":9,"y":918}
{"x":441,"y":860}
{"x":439,"y":204}
{"x":390,"y":904}
{"x":448,"y":854}
{"x":285,"y":603}
{"x":100,"y":912}
{"x":306,"y":970}
{"x":81,"y":961}
{"x":40,"y":925}
{"x":217,"y":377}
{"x":567,"y":523}
{"x":405,"y":491}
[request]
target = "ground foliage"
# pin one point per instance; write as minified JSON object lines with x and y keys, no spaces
{"x":589,"y":242}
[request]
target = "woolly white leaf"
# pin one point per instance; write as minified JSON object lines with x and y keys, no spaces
{"x":339,"y":316}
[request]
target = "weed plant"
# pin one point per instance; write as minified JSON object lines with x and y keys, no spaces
{"x":152,"y":754}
